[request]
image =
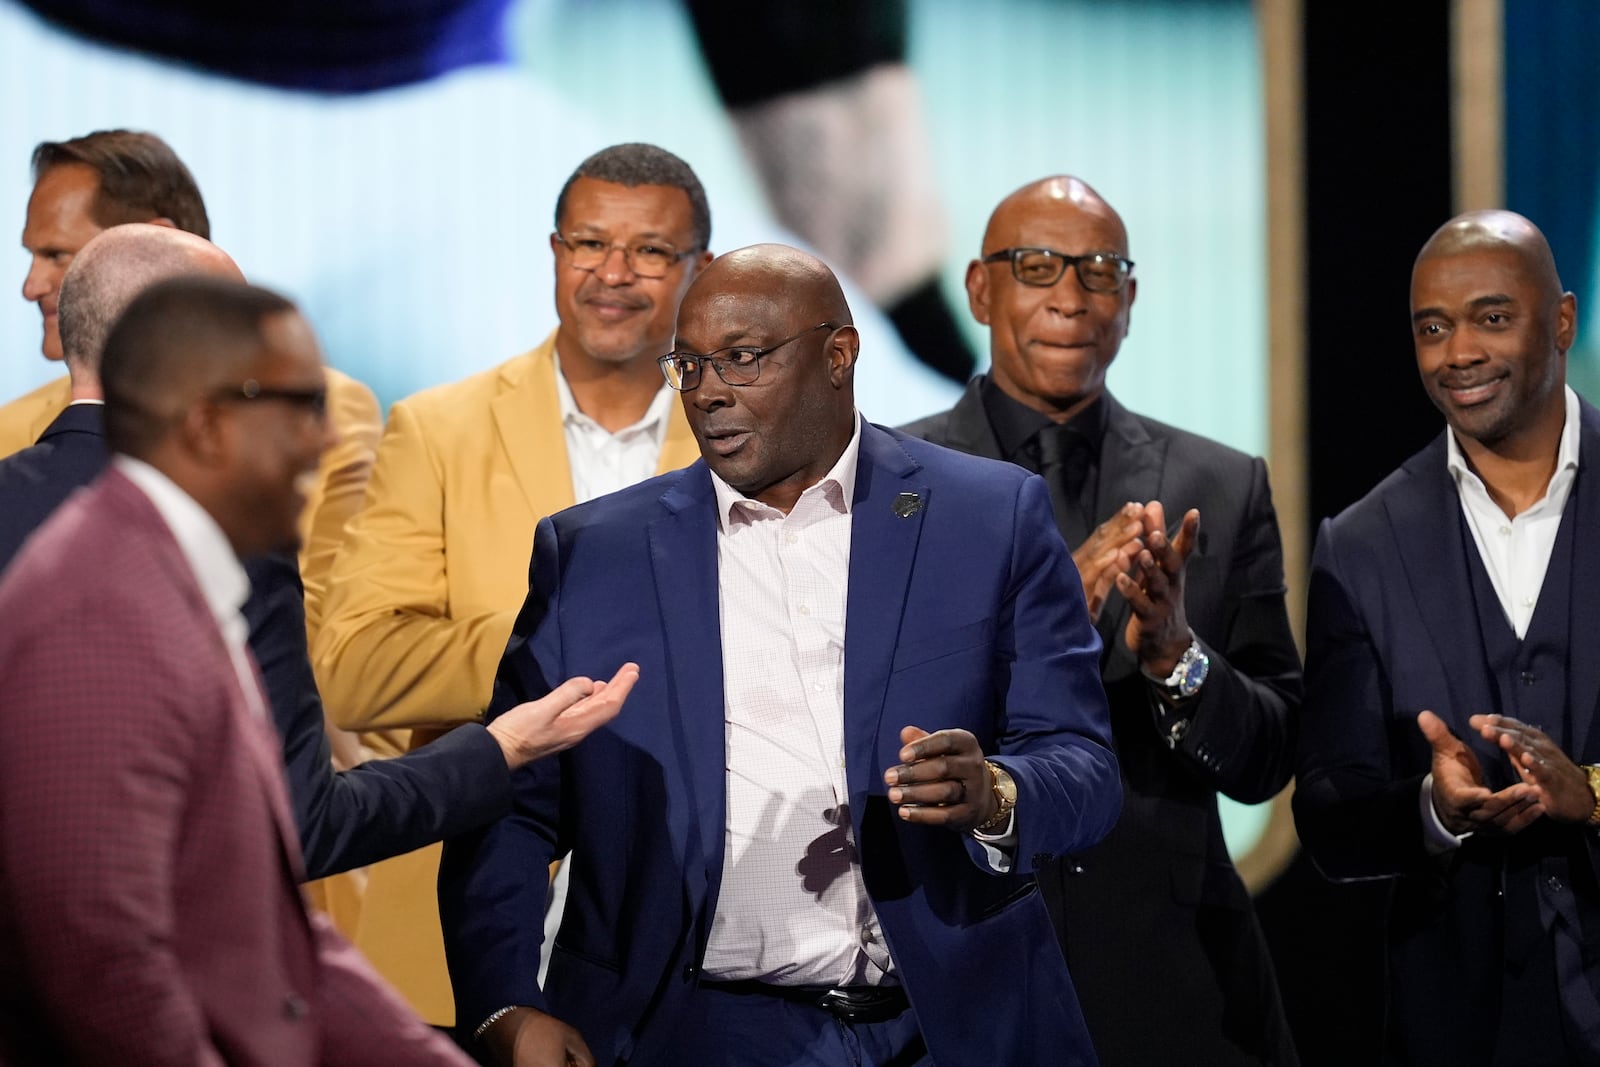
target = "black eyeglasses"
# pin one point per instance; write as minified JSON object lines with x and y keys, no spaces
{"x":312,"y":400}
{"x":741,"y":365}
{"x":647,"y":259}
{"x":1098,"y":272}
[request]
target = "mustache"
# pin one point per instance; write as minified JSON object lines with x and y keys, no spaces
{"x":595,"y":290}
{"x":718,"y":428}
{"x":1468,"y":379}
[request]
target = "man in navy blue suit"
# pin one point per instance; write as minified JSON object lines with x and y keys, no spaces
{"x":869,"y":706}
{"x":1449,"y":742}
{"x":374,"y":811}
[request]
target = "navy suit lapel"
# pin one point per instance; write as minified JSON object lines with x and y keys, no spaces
{"x":1584,"y":669}
{"x":1425,"y":517}
{"x":1130,"y":469}
{"x":683,"y":560}
{"x":883,"y":547}
{"x":76,"y":418}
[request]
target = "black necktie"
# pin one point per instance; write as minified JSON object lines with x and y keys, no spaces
{"x":1064,"y":458}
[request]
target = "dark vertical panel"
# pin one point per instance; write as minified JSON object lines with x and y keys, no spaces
{"x":1378,"y":182}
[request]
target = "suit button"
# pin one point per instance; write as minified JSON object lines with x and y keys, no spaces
{"x":689,"y":972}
{"x":1555,"y":884}
{"x":294,"y":1007}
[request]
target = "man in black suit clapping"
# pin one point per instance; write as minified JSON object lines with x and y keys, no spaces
{"x":1199,"y":664}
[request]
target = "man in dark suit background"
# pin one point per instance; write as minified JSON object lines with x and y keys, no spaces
{"x":1449,"y":742}
{"x":1199,"y":664}
{"x":348,"y":819}
{"x":774,"y":862}
{"x":71,"y":452}
{"x":149,"y":911}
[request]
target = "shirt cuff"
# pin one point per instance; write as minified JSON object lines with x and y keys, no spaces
{"x":1436,"y":839}
{"x":999,"y":848}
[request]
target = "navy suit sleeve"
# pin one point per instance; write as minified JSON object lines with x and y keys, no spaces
{"x":1242,"y":735}
{"x":1055,"y":736}
{"x":1353,"y":816}
{"x":377,"y":810}
{"x":493,"y":883}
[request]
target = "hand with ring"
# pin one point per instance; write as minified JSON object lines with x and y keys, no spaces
{"x":941,"y":780}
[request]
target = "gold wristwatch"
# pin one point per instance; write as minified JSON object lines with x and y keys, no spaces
{"x":1593,"y":771}
{"x":1005,"y":795}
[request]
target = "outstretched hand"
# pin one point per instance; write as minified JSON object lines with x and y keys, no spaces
{"x":563,"y":717}
{"x":941,"y":780}
{"x":1464,"y":804}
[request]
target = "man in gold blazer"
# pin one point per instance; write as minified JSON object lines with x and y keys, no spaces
{"x":424,"y":590}
{"x":102,"y":179}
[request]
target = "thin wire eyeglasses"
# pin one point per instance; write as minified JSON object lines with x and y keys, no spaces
{"x":741,"y":365}
{"x":646,"y":259}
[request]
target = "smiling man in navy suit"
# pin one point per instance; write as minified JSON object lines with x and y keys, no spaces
{"x":869,"y":706}
{"x":1449,"y":740}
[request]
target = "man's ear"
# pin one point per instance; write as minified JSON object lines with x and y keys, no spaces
{"x":978,"y":291}
{"x":843,"y":349}
{"x":1566,"y":322}
{"x":164,"y":221}
{"x":201,"y":433}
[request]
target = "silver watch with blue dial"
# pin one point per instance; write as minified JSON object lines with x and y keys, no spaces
{"x":1190,"y":673}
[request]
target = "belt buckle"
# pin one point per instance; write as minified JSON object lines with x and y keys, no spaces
{"x":873,"y":1005}
{"x":842,"y":1005}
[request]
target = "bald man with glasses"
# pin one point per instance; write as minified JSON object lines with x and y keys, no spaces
{"x":1177,"y":546}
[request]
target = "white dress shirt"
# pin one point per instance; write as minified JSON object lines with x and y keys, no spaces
{"x":222,"y":579}
{"x":1515,"y":553}
{"x":603,"y":462}
{"x":793,"y":909}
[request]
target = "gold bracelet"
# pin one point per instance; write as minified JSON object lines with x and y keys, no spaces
{"x":1005,"y":795}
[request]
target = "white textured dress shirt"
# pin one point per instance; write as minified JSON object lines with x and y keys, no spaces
{"x":793,"y":909}
{"x":222,"y":579}
{"x":1515,"y":553}
{"x":603,"y":462}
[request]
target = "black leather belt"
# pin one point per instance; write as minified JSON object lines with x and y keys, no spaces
{"x":851,"y":1004}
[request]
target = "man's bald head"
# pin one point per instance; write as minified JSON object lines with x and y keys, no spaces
{"x":784,"y":310}
{"x":112,"y":269}
{"x":784,"y":279}
{"x":1497,"y":231}
{"x":1060,"y":194}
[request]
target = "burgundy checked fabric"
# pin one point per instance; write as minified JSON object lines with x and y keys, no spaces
{"x":149,"y":911}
